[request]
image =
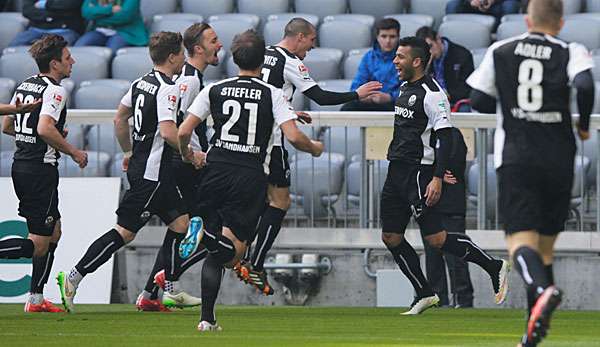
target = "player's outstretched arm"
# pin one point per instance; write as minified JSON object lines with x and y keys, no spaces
{"x":299,"y":140}
{"x":326,"y":97}
{"x":19,"y":107}
{"x":47,"y":130}
{"x":482,"y":102}
{"x":584,"y":84}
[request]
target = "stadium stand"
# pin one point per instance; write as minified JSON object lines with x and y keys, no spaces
{"x":352,"y":61}
{"x":263,"y":8}
{"x":17,"y":65}
{"x":7,"y":86}
{"x":510,"y":28}
{"x":335,"y":34}
{"x":376,"y":8}
{"x":486,"y":20}
{"x":207,"y":7}
{"x":572,"y":6}
{"x":150,"y":8}
{"x":130,"y":64}
{"x":11,"y":23}
{"x":321,"y":8}
{"x":584,"y":31}
{"x":226,"y":29}
{"x":477,"y":35}
{"x":410,"y":23}
{"x":592,"y":5}
{"x":434,"y":8}
{"x":352,"y":17}
{"x":324,"y":63}
{"x":313,"y":19}
{"x":250,"y":18}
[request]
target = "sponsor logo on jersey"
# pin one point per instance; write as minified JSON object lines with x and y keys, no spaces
{"x":303,"y":71}
{"x":443,"y":109}
{"x":183,"y":87}
{"x":172,"y":102}
{"x":404,"y":112}
{"x":56,"y":100}
{"x":412,"y":100}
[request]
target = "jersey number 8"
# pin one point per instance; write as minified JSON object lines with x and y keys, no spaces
{"x":530,"y":92}
{"x":21,"y":119}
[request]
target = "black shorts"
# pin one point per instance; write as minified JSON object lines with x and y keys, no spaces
{"x":187,"y":179}
{"x":233,"y":197}
{"x":279,"y":167}
{"x":146,"y":198}
{"x":36,"y":187}
{"x":531,"y":198}
{"x":403,"y":196}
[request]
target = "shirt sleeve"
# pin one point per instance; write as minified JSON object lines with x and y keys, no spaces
{"x":484,"y":77}
{"x":126,"y":99}
{"x":579,"y":60}
{"x":166,"y":103}
{"x":189,"y":89}
{"x":297,"y":73}
{"x":53,"y":101}
{"x":201,"y":106}
{"x":282,"y":109}
{"x":437,"y":109}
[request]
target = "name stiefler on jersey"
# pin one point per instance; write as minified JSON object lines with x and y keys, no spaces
{"x":404,"y":112}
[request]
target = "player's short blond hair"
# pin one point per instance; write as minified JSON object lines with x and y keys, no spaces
{"x":545,"y":13}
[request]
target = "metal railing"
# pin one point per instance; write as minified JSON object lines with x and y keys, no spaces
{"x":360,"y":209}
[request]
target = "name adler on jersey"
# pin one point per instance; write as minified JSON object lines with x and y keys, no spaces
{"x":239,"y":92}
{"x":404,"y":112}
{"x":237,"y":147}
{"x":530,"y":50}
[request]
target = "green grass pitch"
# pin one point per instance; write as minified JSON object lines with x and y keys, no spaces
{"x":121,"y":325}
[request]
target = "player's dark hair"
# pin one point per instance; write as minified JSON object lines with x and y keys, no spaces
{"x":193,"y":36}
{"x":298,"y":25}
{"x":248,"y":50}
{"x":546,"y":13}
{"x":387,"y":24}
{"x":418,"y":49}
{"x":163,"y":44}
{"x":426,"y":32}
{"x":48,"y":48}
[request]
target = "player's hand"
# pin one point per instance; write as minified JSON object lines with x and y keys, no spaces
{"x":433,"y":192}
{"x":26,"y":108}
{"x":583,"y":134}
{"x":199,"y":159}
{"x":125,"y":163}
{"x":304,"y":117}
{"x":317,"y":148}
{"x":380,"y":98}
{"x":80,"y":157}
{"x":368,"y":89}
{"x":449,"y":177}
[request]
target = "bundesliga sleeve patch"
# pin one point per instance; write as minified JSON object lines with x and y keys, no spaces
{"x":172,"y":101}
{"x":442,"y":109}
{"x":303,"y":71}
{"x":56,"y":100}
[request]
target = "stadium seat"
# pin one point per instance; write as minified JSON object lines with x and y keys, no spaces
{"x":473,"y":185}
{"x":226,"y":29}
{"x":345,"y":35}
{"x":584,"y":31}
{"x":468,"y":34}
{"x":216,"y":72}
{"x":354,"y":183}
{"x":317,"y":183}
{"x":273,"y":31}
{"x":324,"y":63}
{"x":7,"y":86}
{"x":231,"y":68}
{"x":134,"y":49}
{"x":478,"y":55}
{"x":7,"y":143}
{"x":17,"y":49}
{"x":69,"y":86}
{"x":207,"y":7}
{"x":14,"y":15}
{"x":580,"y":186}
{"x":102,"y":138}
{"x":10,"y":26}
{"x":252,"y":19}
{"x":510,"y":28}
{"x":17,"y":66}
{"x":513,"y":17}
{"x":410,"y":23}
{"x":313,"y":19}
{"x":488,"y":21}
{"x":333,"y":85}
{"x":352,"y":62}
{"x":150,"y":8}
{"x":572,"y":6}
{"x":88,"y":66}
{"x":101,"y":51}
{"x":434,"y":8}
{"x":361,"y":18}
{"x":321,"y":8}
{"x":344,"y":140}
{"x":263,"y":8}
{"x":177,"y":22}
{"x":6,"y":159}
{"x":585,"y":15}
{"x":130,"y":66}
{"x":102,"y":94}
{"x":98,"y":166}
{"x":596,"y":69}
{"x":592,"y":5}
{"x":376,"y":8}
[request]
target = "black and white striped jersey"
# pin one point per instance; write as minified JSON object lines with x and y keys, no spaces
{"x":190,"y":84}
{"x":244,"y":111}
{"x":284,"y":70}
{"x":530,"y":76}
{"x":421,"y":109}
{"x":30,"y":146}
{"x":154,"y":99}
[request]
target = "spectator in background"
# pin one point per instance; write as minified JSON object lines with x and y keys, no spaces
{"x":450,"y":66}
{"x":116,"y":24}
{"x":60,"y":17}
{"x":496,"y":8}
{"x":377,"y":65}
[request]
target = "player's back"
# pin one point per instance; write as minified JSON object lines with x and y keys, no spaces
{"x":282,"y":69}
{"x":30,"y":146}
{"x":533,"y":73}
{"x":153,"y":98}
{"x":243,"y":113}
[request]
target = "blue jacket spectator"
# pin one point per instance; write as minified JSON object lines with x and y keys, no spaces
{"x":377,"y":65}
{"x":60,"y":17}
{"x":116,"y":24}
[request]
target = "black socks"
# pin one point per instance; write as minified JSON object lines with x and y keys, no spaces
{"x":16,"y":248}
{"x":212,"y":273}
{"x":461,"y":246}
{"x":41,"y":270}
{"x":408,"y":260}
{"x":100,"y":252}
{"x":267,"y":231}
